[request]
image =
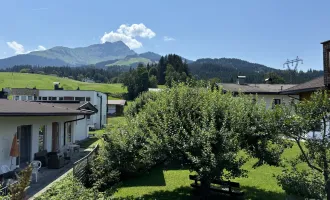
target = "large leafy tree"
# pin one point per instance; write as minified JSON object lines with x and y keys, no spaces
{"x":297,"y":122}
{"x":205,"y":130}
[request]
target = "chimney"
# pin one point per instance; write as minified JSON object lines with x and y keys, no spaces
{"x":268,"y":80}
{"x":241,"y":80}
{"x":57,"y":86}
{"x":326,"y":62}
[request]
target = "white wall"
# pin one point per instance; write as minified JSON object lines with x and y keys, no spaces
{"x":94,"y":99}
{"x":269,"y":99}
{"x":81,"y":129}
{"x":111,"y":109}
{"x":9,"y":128}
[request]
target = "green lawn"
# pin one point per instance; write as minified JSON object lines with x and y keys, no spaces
{"x":22,"y":80}
{"x":173,"y":184}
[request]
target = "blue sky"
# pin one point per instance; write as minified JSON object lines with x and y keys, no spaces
{"x":262,"y":31}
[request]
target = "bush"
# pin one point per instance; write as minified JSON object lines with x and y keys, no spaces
{"x":139,"y":102}
{"x":302,"y":183}
{"x":69,"y":188}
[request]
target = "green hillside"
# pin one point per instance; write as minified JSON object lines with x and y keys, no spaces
{"x":130,"y":61}
{"x":22,"y":80}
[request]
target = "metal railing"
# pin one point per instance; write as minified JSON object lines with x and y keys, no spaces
{"x":80,"y":166}
{"x":4,"y":190}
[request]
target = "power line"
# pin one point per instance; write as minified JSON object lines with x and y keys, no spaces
{"x":294,"y":62}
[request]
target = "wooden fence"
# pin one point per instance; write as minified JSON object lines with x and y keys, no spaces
{"x":80,"y":166}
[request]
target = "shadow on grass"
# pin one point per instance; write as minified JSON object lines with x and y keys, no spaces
{"x":259,"y":194}
{"x":153,"y":178}
{"x":86,"y":143}
{"x":185,"y":193}
{"x":174,"y":165}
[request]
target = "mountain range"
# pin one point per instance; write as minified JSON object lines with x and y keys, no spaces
{"x":102,"y":55}
{"x":111,"y":55}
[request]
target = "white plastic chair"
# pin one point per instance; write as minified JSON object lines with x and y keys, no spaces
{"x":36,"y":165}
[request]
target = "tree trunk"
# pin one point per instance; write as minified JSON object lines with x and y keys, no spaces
{"x":205,"y":188}
{"x":327,"y":189}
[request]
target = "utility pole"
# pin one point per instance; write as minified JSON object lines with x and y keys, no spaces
{"x":292,"y":62}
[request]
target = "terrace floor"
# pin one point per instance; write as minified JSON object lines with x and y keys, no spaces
{"x":47,"y":176}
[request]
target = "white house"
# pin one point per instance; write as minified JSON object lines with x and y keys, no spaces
{"x":38,"y":126}
{"x":97,"y":99}
{"x":270,"y":93}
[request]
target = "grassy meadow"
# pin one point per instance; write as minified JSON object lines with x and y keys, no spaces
{"x":173,"y":183}
{"x":22,"y":80}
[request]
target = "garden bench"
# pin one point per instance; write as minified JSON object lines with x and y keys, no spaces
{"x":226,"y":187}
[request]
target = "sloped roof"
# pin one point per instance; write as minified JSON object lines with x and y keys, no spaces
{"x":76,"y":106}
{"x":117,"y":102}
{"x":312,"y":85}
{"x":255,"y":88}
{"x":25,"y":108}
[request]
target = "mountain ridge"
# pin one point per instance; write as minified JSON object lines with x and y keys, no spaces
{"x":78,"y":56}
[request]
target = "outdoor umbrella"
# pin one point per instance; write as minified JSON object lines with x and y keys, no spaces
{"x":14,"y":151}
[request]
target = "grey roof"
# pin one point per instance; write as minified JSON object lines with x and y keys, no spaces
{"x":255,"y":88}
{"x":25,"y":108}
{"x":117,"y":102}
{"x":312,"y":85}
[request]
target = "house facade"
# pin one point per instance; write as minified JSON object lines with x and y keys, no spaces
{"x":38,"y":126}
{"x":116,"y":107}
{"x":97,"y":99}
{"x":269,"y":93}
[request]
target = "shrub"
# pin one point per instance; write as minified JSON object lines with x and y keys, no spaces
{"x":69,"y":188}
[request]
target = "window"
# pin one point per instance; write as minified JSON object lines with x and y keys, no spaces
{"x":42,"y":138}
{"x":44,"y":98}
{"x":277,"y":101}
{"x":52,"y":98}
{"x":39,"y":98}
{"x":61,"y":98}
{"x":30,"y":98}
{"x":88,"y":116}
{"x":23,"y":98}
{"x":68,"y":98}
{"x":80,"y":98}
{"x":88,"y":99}
{"x":16,"y":98}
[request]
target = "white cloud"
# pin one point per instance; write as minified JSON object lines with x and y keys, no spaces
{"x":114,"y":37}
{"x":19,"y":48}
{"x":41,"y":48}
{"x":167,"y":39}
{"x":136,"y":30}
{"x":128,"y":34}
